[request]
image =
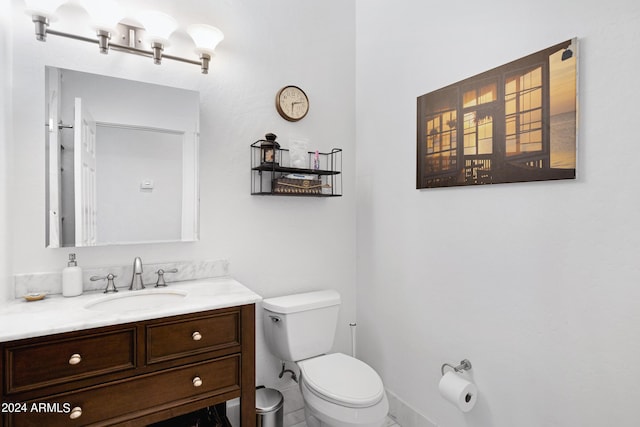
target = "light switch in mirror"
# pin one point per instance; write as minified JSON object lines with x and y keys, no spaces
{"x":122,"y":161}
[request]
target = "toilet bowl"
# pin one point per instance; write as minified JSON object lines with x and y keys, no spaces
{"x":341,"y":391}
{"x":338,"y":390}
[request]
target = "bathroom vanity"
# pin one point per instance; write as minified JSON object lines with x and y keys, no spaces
{"x":147,"y":366}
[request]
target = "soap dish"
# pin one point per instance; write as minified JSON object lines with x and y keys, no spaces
{"x":35,"y":296}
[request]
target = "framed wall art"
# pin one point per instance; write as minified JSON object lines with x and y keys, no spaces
{"x":514,"y":123}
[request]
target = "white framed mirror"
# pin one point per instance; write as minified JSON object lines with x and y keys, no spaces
{"x":121,"y":161}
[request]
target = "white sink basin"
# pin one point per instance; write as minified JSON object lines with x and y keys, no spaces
{"x":138,"y":300}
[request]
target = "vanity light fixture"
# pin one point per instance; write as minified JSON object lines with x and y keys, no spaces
{"x":106,"y":16}
{"x":206,"y":38}
{"x":159,"y":28}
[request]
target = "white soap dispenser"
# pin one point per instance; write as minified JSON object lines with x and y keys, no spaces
{"x":72,"y":278}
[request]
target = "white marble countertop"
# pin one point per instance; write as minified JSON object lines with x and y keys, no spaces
{"x":55,"y":313}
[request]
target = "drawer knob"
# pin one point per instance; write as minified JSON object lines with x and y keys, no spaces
{"x":75,"y":413}
{"x":197,"y":382}
{"x":196,"y":336}
{"x":75,"y":359}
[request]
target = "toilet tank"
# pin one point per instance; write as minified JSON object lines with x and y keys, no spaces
{"x":301,"y":326}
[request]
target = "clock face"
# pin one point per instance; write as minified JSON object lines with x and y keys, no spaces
{"x":292,"y":103}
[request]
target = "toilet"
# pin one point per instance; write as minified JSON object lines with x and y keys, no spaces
{"x":338,"y":390}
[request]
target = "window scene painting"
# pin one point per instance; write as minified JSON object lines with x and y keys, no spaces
{"x":514,"y":123}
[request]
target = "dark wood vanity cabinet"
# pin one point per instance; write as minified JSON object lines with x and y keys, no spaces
{"x":133,"y":374}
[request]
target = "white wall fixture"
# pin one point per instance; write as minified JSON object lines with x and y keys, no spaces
{"x":206,"y":38}
{"x":457,"y":390}
{"x":106,"y":17}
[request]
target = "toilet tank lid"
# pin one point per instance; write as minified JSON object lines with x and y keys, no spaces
{"x":301,"y":302}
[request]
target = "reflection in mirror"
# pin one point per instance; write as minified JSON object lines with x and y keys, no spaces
{"x":122,"y":161}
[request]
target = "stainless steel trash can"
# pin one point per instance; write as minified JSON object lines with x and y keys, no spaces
{"x":269,"y":408}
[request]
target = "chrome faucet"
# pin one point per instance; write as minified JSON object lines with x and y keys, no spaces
{"x":136,"y":279}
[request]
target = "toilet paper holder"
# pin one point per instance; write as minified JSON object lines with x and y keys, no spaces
{"x":464,"y":365}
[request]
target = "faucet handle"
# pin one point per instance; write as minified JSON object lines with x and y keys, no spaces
{"x":111,"y":286}
{"x":160,"y":282}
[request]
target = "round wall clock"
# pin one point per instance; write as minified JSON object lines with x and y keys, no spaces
{"x":292,"y":103}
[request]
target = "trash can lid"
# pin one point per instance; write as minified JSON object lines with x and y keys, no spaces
{"x":268,"y":400}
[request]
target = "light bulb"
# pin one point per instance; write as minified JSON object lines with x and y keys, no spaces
{"x":44,"y":8}
{"x":105,"y":14}
{"x":158,"y":26}
{"x":205,"y":37}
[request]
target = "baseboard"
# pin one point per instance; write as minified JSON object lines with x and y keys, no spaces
{"x":406,"y":416}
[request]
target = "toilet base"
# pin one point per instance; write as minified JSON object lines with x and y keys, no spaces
{"x":313,"y":421}
{"x":321,"y":413}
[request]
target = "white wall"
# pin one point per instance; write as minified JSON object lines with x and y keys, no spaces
{"x":5,"y":135}
{"x":276,"y":245}
{"x":538,"y":284}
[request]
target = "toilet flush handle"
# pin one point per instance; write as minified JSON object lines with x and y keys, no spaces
{"x":274,"y":319}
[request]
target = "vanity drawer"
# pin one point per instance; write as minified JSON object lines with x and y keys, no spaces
{"x":129,"y":399}
{"x":182,"y":338}
{"x":43,"y":363}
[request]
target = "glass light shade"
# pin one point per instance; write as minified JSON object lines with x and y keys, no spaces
{"x":159,"y":26}
{"x":105,"y":14}
{"x":44,"y":8}
{"x":205,"y":37}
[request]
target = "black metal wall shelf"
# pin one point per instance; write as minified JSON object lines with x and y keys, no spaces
{"x":272,"y":168}
{"x":277,"y":178}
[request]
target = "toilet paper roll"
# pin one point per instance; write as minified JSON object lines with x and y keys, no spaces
{"x":460,"y":392}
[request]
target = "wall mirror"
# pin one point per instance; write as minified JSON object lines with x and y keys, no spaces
{"x":121,"y":161}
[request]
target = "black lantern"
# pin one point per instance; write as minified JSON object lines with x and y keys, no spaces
{"x":270,"y":150}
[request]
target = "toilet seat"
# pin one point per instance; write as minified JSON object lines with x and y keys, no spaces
{"x":342,"y":380}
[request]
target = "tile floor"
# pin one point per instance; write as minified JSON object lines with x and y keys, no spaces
{"x":296,"y":419}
